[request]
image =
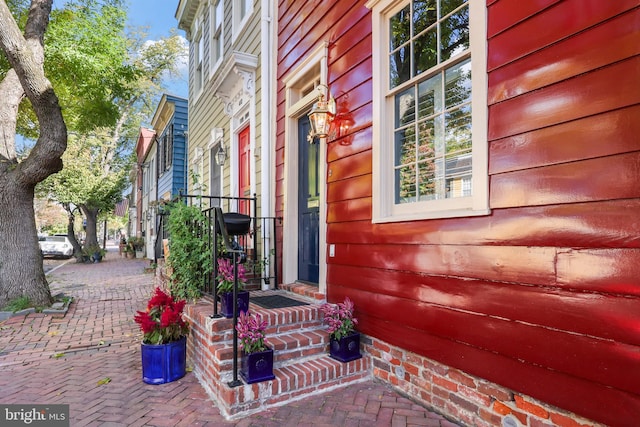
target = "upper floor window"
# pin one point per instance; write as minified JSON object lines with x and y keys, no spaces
{"x":430,"y":150}
{"x":197,"y":55}
{"x":242,"y":10}
{"x":217,"y":14}
{"x":165,"y":151}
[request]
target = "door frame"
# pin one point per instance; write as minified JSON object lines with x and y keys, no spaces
{"x":299,"y":102}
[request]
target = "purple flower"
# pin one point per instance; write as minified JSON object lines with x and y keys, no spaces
{"x":251,"y":332}
{"x":226,"y":275}
{"x":339,"y":318}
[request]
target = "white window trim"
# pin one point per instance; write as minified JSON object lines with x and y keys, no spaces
{"x":213,"y":66}
{"x":198,"y":35}
{"x":239,"y":23}
{"x":384,"y":208}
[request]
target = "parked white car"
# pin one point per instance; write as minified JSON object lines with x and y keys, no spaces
{"x":56,"y":246}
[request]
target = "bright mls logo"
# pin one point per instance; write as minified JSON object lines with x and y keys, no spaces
{"x":34,"y":415}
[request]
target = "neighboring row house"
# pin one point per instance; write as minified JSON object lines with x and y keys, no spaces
{"x":161,"y":168}
{"x":145,"y":153}
{"x":477,"y":196}
{"x":230,"y":94}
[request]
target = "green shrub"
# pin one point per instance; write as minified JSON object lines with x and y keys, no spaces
{"x":189,"y":255}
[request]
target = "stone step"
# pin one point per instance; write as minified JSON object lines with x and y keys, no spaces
{"x":279,"y":320}
{"x":287,"y":346}
{"x":293,"y":381}
{"x":302,"y":365}
{"x":309,"y":293}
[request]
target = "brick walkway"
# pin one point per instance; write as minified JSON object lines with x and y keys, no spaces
{"x":90,"y":359}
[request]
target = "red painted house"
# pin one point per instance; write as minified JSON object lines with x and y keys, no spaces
{"x":477,"y":198}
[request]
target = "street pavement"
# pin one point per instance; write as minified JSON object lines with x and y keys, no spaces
{"x":90,"y":360}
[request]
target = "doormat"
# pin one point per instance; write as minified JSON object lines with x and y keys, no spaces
{"x":276,"y":301}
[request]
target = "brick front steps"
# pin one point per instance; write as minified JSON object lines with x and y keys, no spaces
{"x":301,"y":362}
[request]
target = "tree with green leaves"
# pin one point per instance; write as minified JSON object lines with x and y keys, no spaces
{"x":100,"y":81}
{"x":97,"y":163}
{"x":21,"y":271}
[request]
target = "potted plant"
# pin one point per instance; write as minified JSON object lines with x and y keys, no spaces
{"x":257,"y":358}
{"x":138,"y":246}
{"x":225,"y":287}
{"x":164,"y":346}
{"x":258,"y":269}
{"x":344,"y":340}
{"x":93,"y":253}
{"x":129,"y":250}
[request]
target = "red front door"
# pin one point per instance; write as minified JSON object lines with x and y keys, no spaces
{"x":244,"y":168}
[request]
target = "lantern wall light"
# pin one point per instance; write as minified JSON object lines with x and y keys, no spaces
{"x":221,"y":155}
{"x":321,"y":114}
{"x":217,"y":134}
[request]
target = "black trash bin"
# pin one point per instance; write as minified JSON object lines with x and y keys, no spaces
{"x":237,"y":224}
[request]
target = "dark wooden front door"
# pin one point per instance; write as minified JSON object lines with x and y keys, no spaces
{"x":308,"y":205}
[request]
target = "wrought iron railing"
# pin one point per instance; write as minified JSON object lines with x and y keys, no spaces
{"x":256,"y":248}
{"x":259,"y":245}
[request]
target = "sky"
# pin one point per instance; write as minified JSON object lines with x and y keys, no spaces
{"x":159,"y":17}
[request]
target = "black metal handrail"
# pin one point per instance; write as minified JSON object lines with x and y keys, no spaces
{"x":262,"y":235}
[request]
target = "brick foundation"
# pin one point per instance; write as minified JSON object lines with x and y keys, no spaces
{"x":459,"y":396}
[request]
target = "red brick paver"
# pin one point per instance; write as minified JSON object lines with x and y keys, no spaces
{"x":90,"y":359}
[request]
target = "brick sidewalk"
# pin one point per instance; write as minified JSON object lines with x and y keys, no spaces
{"x":90,"y":359}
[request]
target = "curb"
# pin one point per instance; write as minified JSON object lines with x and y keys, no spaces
{"x":4,"y":315}
{"x":60,"y":307}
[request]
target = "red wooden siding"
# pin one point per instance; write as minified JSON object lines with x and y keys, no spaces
{"x":565,"y":19}
{"x":542,"y":295}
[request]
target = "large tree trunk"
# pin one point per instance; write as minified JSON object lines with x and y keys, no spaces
{"x":91,"y":216}
{"x":21,"y":271}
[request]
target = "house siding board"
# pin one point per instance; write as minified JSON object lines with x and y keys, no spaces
{"x":619,"y":128}
{"x":566,"y":100}
{"x":349,"y":188}
{"x":506,"y":13}
{"x":557,"y":184}
{"x":542,"y":295}
{"x":609,"y":42}
{"x":582,"y":311}
{"x":563,"y":20}
{"x":605,"y":224}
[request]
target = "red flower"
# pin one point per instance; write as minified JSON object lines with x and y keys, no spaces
{"x":170,"y":317}
{"x":159,"y":299}
{"x":162,"y":322}
{"x":147,"y":324}
{"x":178,"y":306}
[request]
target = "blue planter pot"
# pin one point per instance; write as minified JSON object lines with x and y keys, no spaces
{"x":226,"y":303}
{"x":346,"y":348}
{"x":164,"y":363}
{"x":256,"y":367}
